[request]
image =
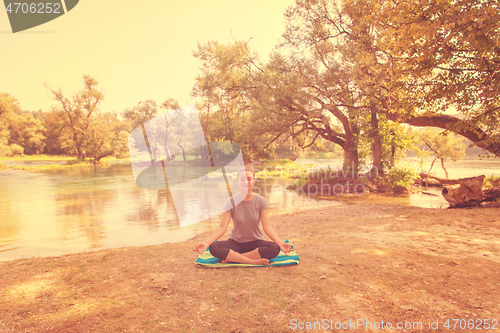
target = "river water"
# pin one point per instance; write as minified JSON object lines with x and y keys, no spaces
{"x":85,"y":209}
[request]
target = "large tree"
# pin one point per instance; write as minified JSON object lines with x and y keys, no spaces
{"x":260,"y":106}
{"x":107,"y":136}
{"x":444,"y":56}
{"x":411,"y":61}
{"x":348,"y":70}
{"x":82,"y":129}
{"x":76,"y":115}
{"x":232,"y":108}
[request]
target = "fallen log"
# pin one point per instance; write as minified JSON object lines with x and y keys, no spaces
{"x":430,"y":182}
{"x":463,"y":192}
{"x":433,"y":180}
{"x":491,"y":194}
{"x":467,"y":193}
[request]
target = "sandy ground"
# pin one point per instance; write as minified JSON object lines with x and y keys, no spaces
{"x":363,"y":266}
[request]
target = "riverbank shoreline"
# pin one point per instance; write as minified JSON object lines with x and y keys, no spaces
{"x":358,"y":261}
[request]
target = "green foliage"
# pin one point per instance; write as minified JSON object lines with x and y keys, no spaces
{"x":119,"y":145}
{"x":4,"y":150}
{"x":170,"y":135}
{"x":280,"y":168}
{"x":396,"y":139}
{"x":439,"y":55}
{"x":400,"y":175}
{"x":74,"y":127}
{"x":28,"y":132}
{"x":491,"y":181}
{"x":347,"y":70}
{"x":11,"y":150}
{"x":19,"y":128}
{"x":76,"y":116}
{"x":55,"y":138}
{"x":141,"y":113}
{"x":39,"y":157}
{"x":411,"y":61}
{"x":78,"y":127}
{"x":230,"y":108}
{"x":103,"y":136}
{"x":443,"y":145}
{"x":16,"y":150}
{"x":268,"y":109}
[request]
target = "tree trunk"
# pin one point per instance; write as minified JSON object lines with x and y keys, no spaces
{"x":432,"y":164}
{"x":440,"y":181}
{"x":377,"y":145}
{"x":205,"y":153}
{"x":445,"y":171}
{"x":350,"y":157}
{"x":79,"y":154}
{"x":182,"y":148}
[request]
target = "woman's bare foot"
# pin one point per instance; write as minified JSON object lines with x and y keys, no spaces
{"x":234,"y":256}
{"x":262,"y":261}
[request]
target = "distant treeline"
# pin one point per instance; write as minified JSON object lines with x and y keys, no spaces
{"x":77,"y":127}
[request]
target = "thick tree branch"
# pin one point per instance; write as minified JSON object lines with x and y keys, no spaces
{"x":456,"y":125}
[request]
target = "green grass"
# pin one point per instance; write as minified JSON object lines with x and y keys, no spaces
{"x":71,"y":162}
{"x":50,"y":167}
{"x":40,"y":157}
{"x":284,"y":169}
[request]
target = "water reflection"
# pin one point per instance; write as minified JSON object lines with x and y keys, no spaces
{"x":9,"y":228}
{"x":81,"y":213}
{"x":150,"y":208}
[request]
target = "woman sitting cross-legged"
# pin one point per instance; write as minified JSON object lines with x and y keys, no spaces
{"x":245,"y":244}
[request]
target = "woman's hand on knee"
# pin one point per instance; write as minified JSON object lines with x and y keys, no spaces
{"x":201,"y":247}
{"x":285,"y":247}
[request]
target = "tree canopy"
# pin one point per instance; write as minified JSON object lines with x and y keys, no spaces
{"x":349,"y":71}
{"x":81,"y":126}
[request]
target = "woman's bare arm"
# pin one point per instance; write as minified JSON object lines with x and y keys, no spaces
{"x":269,"y":230}
{"x":216,"y":234}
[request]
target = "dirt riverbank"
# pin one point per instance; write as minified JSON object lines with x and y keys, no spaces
{"x":360,"y":261}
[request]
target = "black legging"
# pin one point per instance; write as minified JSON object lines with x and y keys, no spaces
{"x":266,"y":249}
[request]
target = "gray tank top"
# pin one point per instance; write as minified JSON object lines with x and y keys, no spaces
{"x":246,"y":218}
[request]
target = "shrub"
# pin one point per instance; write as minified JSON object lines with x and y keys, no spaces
{"x":11,"y":150}
{"x":402,"y":176}
{"x":4,"y":150}
{"x":16,"y":150}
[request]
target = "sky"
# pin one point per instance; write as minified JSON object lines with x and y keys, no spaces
{"x":136,"y":50}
